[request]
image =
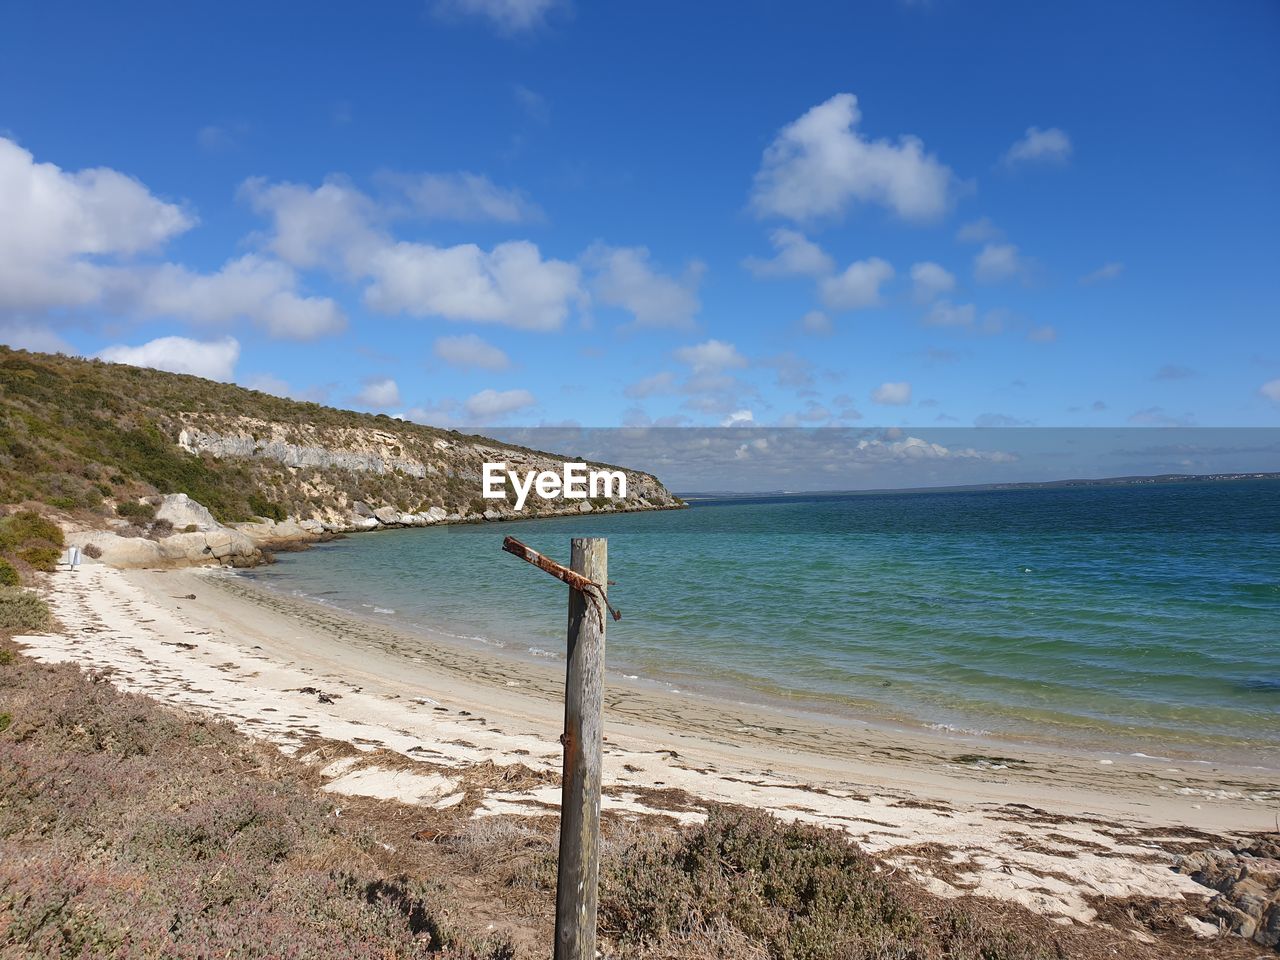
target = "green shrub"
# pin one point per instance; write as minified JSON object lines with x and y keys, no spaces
{"x":64,"y":503}
{"x":8,"y":576}
{"x":26,"y":526}
{"x":41,"y":556}
{"x":136,"y":511}
{"x":263,"y":507}
{"x":5,"y":720}
{"x":22,"y":611}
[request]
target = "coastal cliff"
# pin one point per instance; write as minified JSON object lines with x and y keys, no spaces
{"x":158,"y":469}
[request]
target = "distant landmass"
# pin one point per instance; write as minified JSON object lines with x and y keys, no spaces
{"x":975,"y":487}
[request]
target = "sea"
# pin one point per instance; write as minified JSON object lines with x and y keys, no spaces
{"x":1129,"y":619}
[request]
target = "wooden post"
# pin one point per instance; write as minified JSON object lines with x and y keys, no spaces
{"x":576,"y":886}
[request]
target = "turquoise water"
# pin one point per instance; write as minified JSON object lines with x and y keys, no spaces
{"x":1128,"y":618}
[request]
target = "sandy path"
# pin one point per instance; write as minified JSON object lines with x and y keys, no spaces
{"x":1049,"y":830}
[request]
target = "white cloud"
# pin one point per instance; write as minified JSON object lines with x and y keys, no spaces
{"x":509,"y":16}
{"x":996,"y":262}
{"x":817,"y":323}
{"x":929,"y":281}
{"x":511,"y":285}
{"x":251,"y":287}
{"x":1271,"y":390}
{"x":40,"y":337}
{"x":1108,"y":271}
{"x":944,"y":313}
{"x":858,"y":286}
{"x":739,"y":418}
{"x":469,"y":350}
{"x":712,"y":355}
{"x":1039,"y":146}
{"x":325,"y":226}
{"x":979,"y":231}
{"x":819,"y":165}
{"x":380,"y":392}
{"x":467,"y":197}
{"x":797,"y":256}
{"x":211,"y":359}
{"x":892,"y":394}
{"x":60,"y":226}
{"x":625,"y":278}
{"x":488,"y":405}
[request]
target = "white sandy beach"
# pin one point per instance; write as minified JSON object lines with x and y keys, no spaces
{"x":1049,"y":830}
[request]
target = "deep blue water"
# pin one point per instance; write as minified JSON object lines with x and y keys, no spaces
{"x":1125,"y":617}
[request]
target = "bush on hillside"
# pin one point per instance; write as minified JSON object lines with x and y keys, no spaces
{"x":26,"y":526}
{"x":41,"y":556}
{"x":21,"y":611}
{"x":136,"y":511}
{"x":8,"y":575}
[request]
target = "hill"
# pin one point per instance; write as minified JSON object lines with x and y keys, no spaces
{"x":97,"y":439}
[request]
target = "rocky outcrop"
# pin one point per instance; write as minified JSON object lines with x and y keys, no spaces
{"x":221,"y":546}
{"x":183,"y":512}
{"x":1248,"y":884}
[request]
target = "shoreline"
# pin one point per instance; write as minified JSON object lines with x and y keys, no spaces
{"x":745,"y":693}
{"x":1049,"y":830}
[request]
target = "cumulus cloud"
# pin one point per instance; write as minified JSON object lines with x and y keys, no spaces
{"x":796,"y":256}
{"x":820,"y":165}
{"x":1271,"y":390}
{"x":470,"y":351}
{"x":858,"y":286}
{"x":250,"y":287}
{"x":60,"y":228}
{"x":211,"y":359}
{"x":944,"y":313}
{"x":711,"y":355}
{"x":1039,"y":146}
{"x":337,"y":226}
{"x":1043,"y":334}
{"x":489,"y":405}
{"x":325,"y":226}
{"x":996,"y":262}
{"x":930,"y":280}
{"x":1108,"y":271}
{"x":379,"y":392}
{"x":739,"y":418}
{"x":508,"y":16}
{"x":625,"y":277}
{"x":511,"y":284}
{"x":894,"y":394}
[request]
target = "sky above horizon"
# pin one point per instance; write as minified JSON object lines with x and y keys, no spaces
{"x":505,"y":213}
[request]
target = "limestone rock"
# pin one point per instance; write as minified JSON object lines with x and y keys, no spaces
{"x":387,"y":515}
{"x":361,"y":509}
{"x":181,"y":511}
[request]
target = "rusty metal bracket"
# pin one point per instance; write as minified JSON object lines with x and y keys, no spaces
{"x":596,"y":591}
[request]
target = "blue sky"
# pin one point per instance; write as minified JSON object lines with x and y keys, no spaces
{"x":527,"y":212}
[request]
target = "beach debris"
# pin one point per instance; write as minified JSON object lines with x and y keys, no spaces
{"x":181,"y":645}
{"x":320,"y":695}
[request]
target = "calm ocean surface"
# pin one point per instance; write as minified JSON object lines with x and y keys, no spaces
{"x":1126,"y":618}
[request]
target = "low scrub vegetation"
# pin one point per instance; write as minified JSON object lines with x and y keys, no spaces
{"x":21,"y":611}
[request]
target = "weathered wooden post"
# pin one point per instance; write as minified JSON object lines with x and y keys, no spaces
{"x":576,"y":884}
{"x":579,"y":870}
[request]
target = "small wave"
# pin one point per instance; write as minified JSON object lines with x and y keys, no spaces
{"x":539,"y":652}
{"x":383,"y":610}
{"x":952,"y":728}
{"x":1147,"y":756}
